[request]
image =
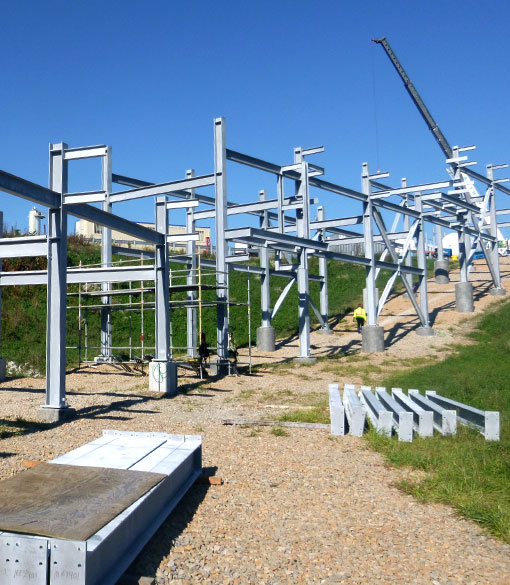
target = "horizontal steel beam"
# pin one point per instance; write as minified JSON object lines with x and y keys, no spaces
{"x":84,"y":152}
{"x":80,"y":276}
{"x":85,"y":197}
{"x":27,"y":190}
{"x":149,"y":191}
{"x":115,"y":222}
{"x":327,"y":223}
{"x":23,"y":247}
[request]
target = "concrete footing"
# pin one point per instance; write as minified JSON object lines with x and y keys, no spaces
{"x":306,"y":361}
{"x":3,"y":369}
{"x":497,"y":292}
{"x":55,"y":415}
{"x":372,"y":339}
{"x":218,"y":367}
{"x":425,"y":331}
{"x":325,"y":331}
{"x":163,"y":376}
{"x":266,"y":339}
{"x":441,"y":269}
{"x":464,"y":297}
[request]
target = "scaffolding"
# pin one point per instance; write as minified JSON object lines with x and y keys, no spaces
{"x":136,"y":303}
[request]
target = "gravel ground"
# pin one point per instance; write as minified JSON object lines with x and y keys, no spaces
{"x":303,"y":507}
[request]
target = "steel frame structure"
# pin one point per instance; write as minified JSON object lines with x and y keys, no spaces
{"x":285,"y":230}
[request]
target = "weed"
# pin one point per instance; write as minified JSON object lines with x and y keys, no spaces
{"x":279,"y":432}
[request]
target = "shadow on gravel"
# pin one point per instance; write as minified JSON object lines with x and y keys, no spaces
{"x":148,"y":561}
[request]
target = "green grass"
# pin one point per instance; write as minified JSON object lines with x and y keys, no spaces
{"x":465,"y":471}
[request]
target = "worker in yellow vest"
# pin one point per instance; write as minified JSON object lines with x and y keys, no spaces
{"x":360,"y":316}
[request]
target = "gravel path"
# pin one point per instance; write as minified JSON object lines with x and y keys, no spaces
{"x":303,"y":507}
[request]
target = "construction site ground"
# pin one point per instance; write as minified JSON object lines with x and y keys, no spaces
{"x":295,"y":506}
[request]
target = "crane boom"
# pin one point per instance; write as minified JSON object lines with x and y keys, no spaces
{"x":415,"y":96}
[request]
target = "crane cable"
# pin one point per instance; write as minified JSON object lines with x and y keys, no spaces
{"x":376,"y":117}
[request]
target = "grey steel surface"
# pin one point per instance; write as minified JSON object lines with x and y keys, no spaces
{"x":336,"y":411}
{"x":101,"y":559}
{"x":423,"y":419}
{"x":354,"y":411}
{"x":380,"y":418}
{"x":486,"y":421}
{"x":445,"y":420}
{"x":402,"y":418}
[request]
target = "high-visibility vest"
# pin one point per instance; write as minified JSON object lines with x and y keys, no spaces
{"x":360,"y":312}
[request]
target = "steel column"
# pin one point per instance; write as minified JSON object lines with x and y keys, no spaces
{"x":302,"y":230}
{"x":220,"y":170}
{"x":265,"y":299}
{"x":161,"y":283}
{"x":191,"y":279}
{"x":368,"y":234}
{"x":407,"y":259}
{"x":106,"y":260}
{"x":422,"y":264}
{"x":57,"y":290}
{"x":323,"y":273}
{"x":494,"y":253}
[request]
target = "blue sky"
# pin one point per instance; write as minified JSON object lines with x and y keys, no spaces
{"x":148,"y":78}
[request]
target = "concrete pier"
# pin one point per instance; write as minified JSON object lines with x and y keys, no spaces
{"x":266,"y":338}
{"x":441,"y":269}
{"x":425,"y":331}
{"x":464,"y":297}
{"x":372,"y":339}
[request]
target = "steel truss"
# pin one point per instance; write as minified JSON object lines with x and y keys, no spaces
{"x":286,"y":231}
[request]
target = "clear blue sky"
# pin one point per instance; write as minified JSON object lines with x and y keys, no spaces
{"x":148,"y":78}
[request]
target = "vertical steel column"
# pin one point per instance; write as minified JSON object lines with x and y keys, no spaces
{"x":56,"y":293}
{"x":106,"y":260}
{"x":265,"y":299}
{"x":161,"y":278}
{"x":191,"y":279}
{"x":425,"y":329}
{"x":439,"y":242}
{"x":266,"y":335}
{"x":497,"y":290}
{"x":281,"y":221}
{"x":303,"y":231}
{"x":162,"y":371}
{"x":407,"y":227}
{"x":220,"y":170}
{"x":372,"y":335}
{"x":368,"y":233}
{"x":323,"y":273}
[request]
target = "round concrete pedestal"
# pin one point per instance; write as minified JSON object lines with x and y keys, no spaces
{"x":497,"y":292}
{"x":372,"y":339}
{"x":266,"y":338}
{"x":464,"y":297}
{"x":441,"y":268}
{"x":425,"y":331}
{"x":325,"y":332}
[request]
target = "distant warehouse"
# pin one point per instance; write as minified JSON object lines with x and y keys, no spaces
{"x":92,"y":232}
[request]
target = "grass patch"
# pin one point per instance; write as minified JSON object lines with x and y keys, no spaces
{"x":465,"y":471}
{"x":279,"y":432}
{"x":317,"y":414}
